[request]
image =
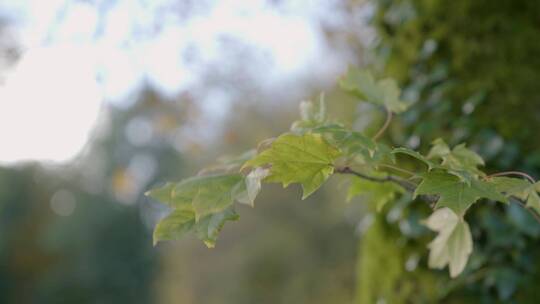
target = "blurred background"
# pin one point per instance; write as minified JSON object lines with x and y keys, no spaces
{"x":101,"y":100}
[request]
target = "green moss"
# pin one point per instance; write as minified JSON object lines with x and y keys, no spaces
{"x":382,"y":274}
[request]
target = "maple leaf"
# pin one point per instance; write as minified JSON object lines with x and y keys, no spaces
{"x":455,"y":193}
{"x":416,"y":155}
{"x":460,"y":161}
{"x":179,"y":222}
{"x":362,"y":84}
{"x":453,"y":244}
{"x":307,"y":159}
{"x":201,"y":194}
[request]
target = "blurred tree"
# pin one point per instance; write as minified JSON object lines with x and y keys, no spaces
{"x":80,"y":233}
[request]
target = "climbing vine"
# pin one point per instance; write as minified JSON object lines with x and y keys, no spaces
{"x":317,"y":147}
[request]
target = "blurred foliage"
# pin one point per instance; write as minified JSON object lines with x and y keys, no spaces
{"x":79,"y":233}
{"x":469,"y":67}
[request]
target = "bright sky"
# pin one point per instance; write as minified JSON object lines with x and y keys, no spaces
{"x":78,"y":55}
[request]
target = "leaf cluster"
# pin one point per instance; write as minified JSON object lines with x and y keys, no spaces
{"x":317,"y":147}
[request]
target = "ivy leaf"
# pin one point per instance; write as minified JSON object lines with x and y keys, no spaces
{"x":377,"y":193}
{"x":454,"y":193}
{"x":362,"y":84}
{"x":202,"y":194}
{"x":453,"y":244}
{"x":307,"y":159}
{"x":179,"y":222}
{"x":416,"y":155}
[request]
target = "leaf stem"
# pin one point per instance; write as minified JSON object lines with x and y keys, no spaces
{"x":524,"y":206}
{"x":409,"y":186}
{"x":398,"y":169}
{"x":389,"y":117}
{"x":523,"y":174}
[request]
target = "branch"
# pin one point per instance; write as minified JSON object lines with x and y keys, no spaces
{"x":522,"y":174}
{"x":389,"y":178}
{"x":385,"y":126}
{"x":411,"y":187}
{"x":524,"y":206}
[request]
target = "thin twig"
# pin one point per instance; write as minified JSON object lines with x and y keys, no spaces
{"x":389,"y":178}
{"x":523,"y":174}
{"x":524,"y":206}
{"x":385,"y":126}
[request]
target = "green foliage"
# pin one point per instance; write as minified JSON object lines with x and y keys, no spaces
{"x":396,"y":283}
{"x":455,"y":193}
{"x":415,"y":154}
{"x":522,"y":189}
{"x":179,"y":222}
{"x":468,"y":67}
{"x":384,"y":92}
{"x":307,"y":159}
{"x":201,"y":204}
{"x":318,"y":148}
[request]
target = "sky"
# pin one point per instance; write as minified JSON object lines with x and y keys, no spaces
{"x":77,"y":56}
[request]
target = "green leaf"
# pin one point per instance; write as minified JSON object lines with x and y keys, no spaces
{"x":347,"y":140}
{"x":459,"y":161}
{"x":511,"y":186}
{"x":208,"y":228}
{"x":180,"y":222}
{"x":382,"y":153}
{"x":162,"y":194}
{"x":454,"y":193}
{"x":362,"y":84}
{"x":416,"y":155}
{"x":453,"y":244}
{"x":379,"y":194}
{"x":439,"y":149}
{"x":462,"y":158}
{"x":214,"y":193}
{"x":306,"y":159}
{"x":174,"y":226}
{"x":202,"y":194}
